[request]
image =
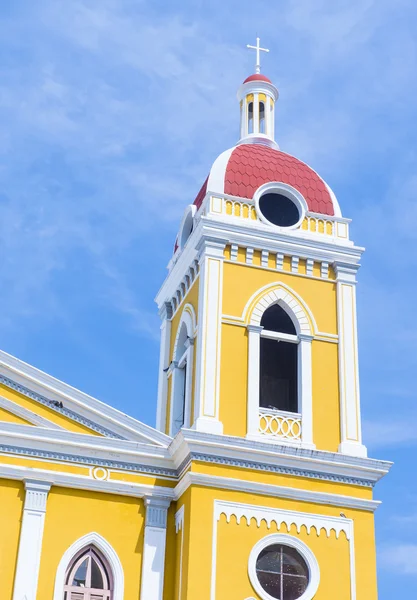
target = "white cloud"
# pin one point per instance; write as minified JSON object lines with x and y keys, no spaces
{"x":399,"y":558}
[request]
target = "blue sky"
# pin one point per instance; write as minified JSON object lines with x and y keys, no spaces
{"x":111,"y":113}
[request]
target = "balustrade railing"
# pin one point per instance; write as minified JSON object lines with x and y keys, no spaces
{"x":279,"y":424}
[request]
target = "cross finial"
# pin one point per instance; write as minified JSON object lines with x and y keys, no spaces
{"x":258,"y":54}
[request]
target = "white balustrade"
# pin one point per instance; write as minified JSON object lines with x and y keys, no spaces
{"x":279,"y":424}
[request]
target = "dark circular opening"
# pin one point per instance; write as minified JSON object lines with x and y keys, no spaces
{"x":279,"y":209}
{"x":282,"y":572}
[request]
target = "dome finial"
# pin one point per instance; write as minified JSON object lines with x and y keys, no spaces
{"x":258,"y":54}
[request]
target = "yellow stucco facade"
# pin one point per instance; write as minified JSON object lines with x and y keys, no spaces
{"x":246,"y":466}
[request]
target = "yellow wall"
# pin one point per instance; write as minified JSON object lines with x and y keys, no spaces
{"x":241,"y":281}
{"x":44,"y":411}
{"x":12,"y":496}
{"x":239,"y":285}
{"x":74,"y":513}
{"x":235,"y":542}
{"x":9,"y":417}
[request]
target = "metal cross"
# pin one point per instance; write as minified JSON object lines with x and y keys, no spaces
{"x":258,"y":54}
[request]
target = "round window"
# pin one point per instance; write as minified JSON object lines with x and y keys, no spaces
{"x":282,"y":572}
{"x":279,"y":209}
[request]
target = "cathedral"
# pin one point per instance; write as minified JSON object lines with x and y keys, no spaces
{"x":255,"y":483}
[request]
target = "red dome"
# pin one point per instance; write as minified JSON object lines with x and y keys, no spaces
{"x":257,"y":77}
{"x":251,"y":165}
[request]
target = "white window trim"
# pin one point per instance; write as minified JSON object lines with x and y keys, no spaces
{"x":285,"y":540}
{"x":289,"y":192}
{"x":304,"y":338}
{"x":187,"y":358}
{"x":109,"y":554}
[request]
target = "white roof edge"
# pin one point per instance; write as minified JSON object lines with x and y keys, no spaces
{"x":215,"y":181}
{"x":86,"y":406}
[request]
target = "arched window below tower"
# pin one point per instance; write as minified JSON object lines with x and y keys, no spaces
{"x":181,"y":372}
{"x":261,"y":117}
{"x":278,"y":361}
{"x":250,"y":117}
{"x":88,"y":577}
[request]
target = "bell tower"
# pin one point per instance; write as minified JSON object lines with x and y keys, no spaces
{"x":259,"y":382}
{"x":258,"y":310}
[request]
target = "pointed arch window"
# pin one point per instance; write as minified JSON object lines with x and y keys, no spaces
{"x":280,"y":371}
{"x":278,"y":361}
{"x":88,"y":577}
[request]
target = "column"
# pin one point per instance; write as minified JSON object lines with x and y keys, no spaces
{"x":165,"y":314}
{"x":254,"y":348}
{"x":153,"y":559}
{"x":350,"y":418}
{"x":30,"y":543}
{"x":209,"y":336}
{"x":305,"y":389}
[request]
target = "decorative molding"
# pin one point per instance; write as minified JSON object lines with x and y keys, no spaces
{"x":294,"y":264}
{"x":109,"y":554}
{"x":249,"y":256}
{"x":179,"y":519}
{"x":300,"y":472}
{"x":63,"y":411}
{"x":274,"y":491}
{"x":320,"y":523}
{"x":27,"y":415}
{"x":233,"y":252}
{"x":36,"y":495}
{"x":288,"y":518}
{"x":279,"y":293}
{"x":156,"y":511}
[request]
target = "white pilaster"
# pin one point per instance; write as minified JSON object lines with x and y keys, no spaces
{"x":305,"y":389}
{"x":209,"y":337}
{"x":254,"y":345}
{"x":165,"y":314}
{"x":30,"y":543}
{"x":350,"y":419}
{"x":153,"y":558}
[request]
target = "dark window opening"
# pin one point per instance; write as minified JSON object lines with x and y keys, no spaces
{"x":276,"y":319}
{"x":250,"y":117}
{"x":261,"y":117}
{"x":279,"y":210}
{"x":278,"y":387}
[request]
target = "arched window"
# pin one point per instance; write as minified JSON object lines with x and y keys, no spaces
{"x":278,"y":361}
{"x":88,"y":577}
{"x":182,"y":364}
{"x":261,"y":117}
{"x":180,"y":382}
{"x":250,"y":117}
{"x":280,"y":335}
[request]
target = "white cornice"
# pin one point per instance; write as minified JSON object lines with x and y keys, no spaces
{"x":53,"y":391}
{"x":315,"y":464}
{"x":293,"y":243}
{"x":275,"y":491}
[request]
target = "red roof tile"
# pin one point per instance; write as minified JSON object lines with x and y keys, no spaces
{"x":268,"y":165}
